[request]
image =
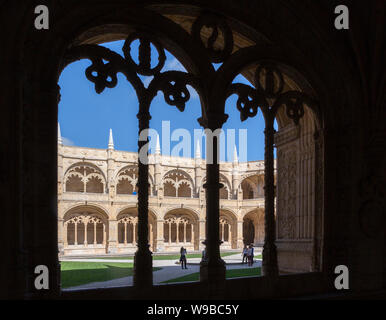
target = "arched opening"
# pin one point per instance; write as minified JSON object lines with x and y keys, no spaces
{"x":127,"y":223}
{"x":127,"y":179}
{"x":84,"y":230}
{"x":178,"y":183}
{"x":253,"y":186}
{"x":180,"y":229}
{"x":253,"y":228}
{"x":83,"y":177}
{"x":228,"y":229}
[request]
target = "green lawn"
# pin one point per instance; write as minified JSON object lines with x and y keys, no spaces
{"x":78,"y":273}
{"x":168,"y":256}
{"x":231,"y":273}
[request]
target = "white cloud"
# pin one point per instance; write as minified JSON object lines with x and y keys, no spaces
{"x":67,"y":142}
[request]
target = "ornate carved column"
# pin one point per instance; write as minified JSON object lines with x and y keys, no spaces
{"x":76,"y":234}
{"x":240,"y":236}
{"x":177,"y":232}
{"x":104,"y":235}
{"x":213,"y":268}
{"x":143,"y":273}
{"x":65,"y":237}
{"x":270,"y":267}
{"x":192,"y":236}
{"x":61,"y":235}
{"x":125,"y":234}
{"x":95,"y":236}
{"x":170,"y":232}
{"x":159,"y":245}
{"x":85,"y":233}
{"x":230,"y":235}
{"x":113,"y":235}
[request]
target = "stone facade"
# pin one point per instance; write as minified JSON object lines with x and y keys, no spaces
{"x":97,"y":202}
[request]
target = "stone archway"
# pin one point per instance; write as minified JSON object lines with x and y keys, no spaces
{"x":228,"y":229}
{"x":127,"y":230}
{"x":180,"y":229}
{"x":253,"y":228}
{"x":248,"y":231}
{"x":84,"y":230}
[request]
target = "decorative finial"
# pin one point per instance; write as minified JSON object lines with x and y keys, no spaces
{"x":111,"y":141}
{"x":235,"y":159}
{"x":60,"y":140}
{"x":157,"y":146}
{"x":198,"y":150}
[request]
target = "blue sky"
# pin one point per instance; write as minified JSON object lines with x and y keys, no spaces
{"x":85,"y":117}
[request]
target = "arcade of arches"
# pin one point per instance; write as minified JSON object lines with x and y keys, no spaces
{"x":96,"y":217}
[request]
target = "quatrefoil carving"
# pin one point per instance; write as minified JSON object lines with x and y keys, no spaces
{"x":103,"y":75}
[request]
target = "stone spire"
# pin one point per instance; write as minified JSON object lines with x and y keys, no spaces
{"x":157,"y":146}
{"x":235,"y":159}
{"x":198,"y":150}
{"x":60,"y":140}
{"x":111,"y":141}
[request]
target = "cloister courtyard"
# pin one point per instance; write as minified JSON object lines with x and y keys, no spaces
{"x":117,"y":271}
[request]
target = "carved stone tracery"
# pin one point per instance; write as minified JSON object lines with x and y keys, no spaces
{"x":269,"y":94}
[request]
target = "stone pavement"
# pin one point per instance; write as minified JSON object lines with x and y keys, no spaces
{"x":170,"y":270}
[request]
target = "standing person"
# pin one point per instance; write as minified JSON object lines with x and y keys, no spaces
{"x":249,"y":253}
{"x":204,"y":254}
{"x":252,"y":253}
{"x":244,"y":255}
{"x":183,"y":258}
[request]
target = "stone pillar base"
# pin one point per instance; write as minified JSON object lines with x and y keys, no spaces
{"x":60,"y":249}
{"x":269,"y":266}
{"x":112,"y":247}
{"x":213,"y":272}
{"x":143,"y":269}
{"x":160,"y":246}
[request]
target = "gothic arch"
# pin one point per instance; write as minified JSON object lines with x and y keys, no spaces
{"x":178,"y":183}
{"x":252,"y":186}
{"x":127,"y":219}
{"x":181,"y":228}
{"x":85,"y":226}
{"x":84,"y":177}
{"x":126,"y":180}
{"x":78,"y":207}
{"x":253,"y":227}
{"x":225,"y":191}
{"x":228,"y":228}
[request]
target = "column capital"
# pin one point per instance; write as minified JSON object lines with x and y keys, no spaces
{"x":212,"y":121}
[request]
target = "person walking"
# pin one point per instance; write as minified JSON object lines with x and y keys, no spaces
{"x":244,"y":255}
{"x":183,"y":258}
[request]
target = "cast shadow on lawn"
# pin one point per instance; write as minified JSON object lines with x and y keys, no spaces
{"x":76,"y":277}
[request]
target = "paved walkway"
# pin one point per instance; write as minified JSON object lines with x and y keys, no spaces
{"x":170,"y":270}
